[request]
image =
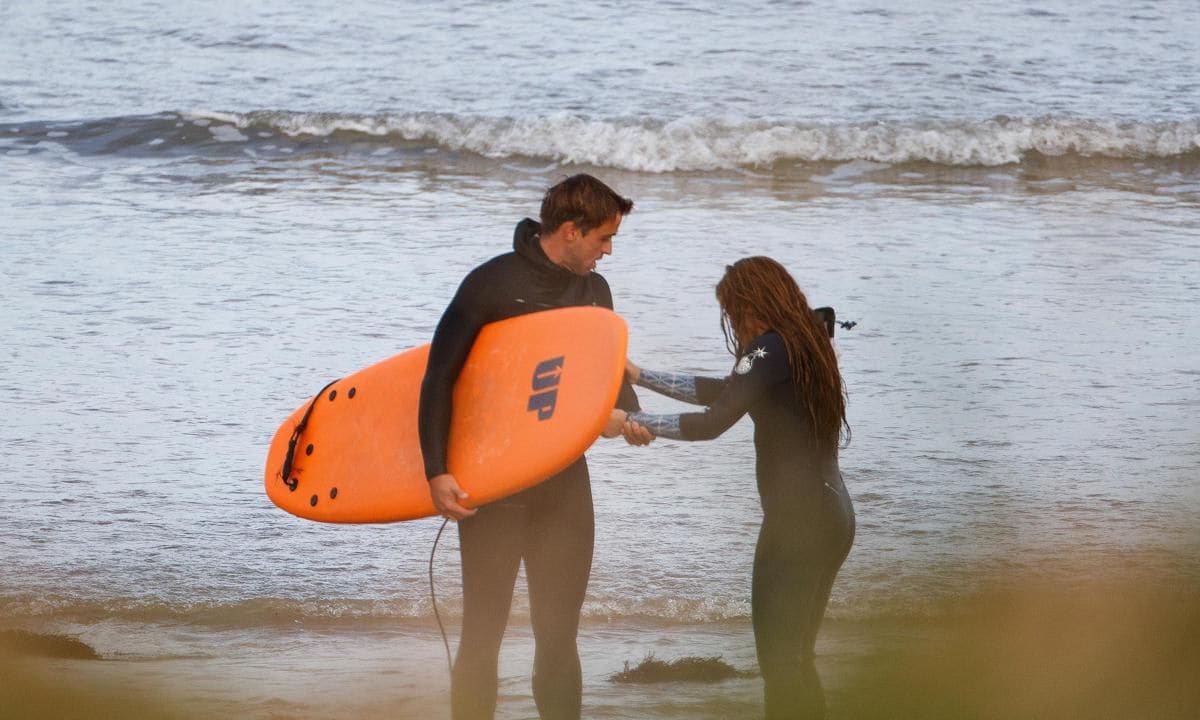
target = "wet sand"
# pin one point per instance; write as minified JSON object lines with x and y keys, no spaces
{"x":1104,"y":650}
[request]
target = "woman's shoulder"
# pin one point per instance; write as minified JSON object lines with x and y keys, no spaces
{"x":766,"y":350}
{"x":770,"y":340}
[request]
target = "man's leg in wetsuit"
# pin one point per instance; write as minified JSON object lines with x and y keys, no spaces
{"x":490,"y":544}
{"x":558,"y":561}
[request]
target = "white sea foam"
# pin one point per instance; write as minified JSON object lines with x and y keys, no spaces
{"x":691,"y":144}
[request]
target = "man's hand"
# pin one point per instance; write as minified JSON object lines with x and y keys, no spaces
{"x":620,"y":424}
{"x":632,"y":372}
{"x":448,"y":496}
{"x":615,"y":424}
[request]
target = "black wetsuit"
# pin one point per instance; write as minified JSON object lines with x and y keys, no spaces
{"x":808,"y":519}
{"x":549,"y":526}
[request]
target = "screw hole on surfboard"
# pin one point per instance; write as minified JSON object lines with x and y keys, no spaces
{"x":333,"y":494}
{"x":352,"y":393}
{"x":313,"y":501}
{"x":308,"y":450}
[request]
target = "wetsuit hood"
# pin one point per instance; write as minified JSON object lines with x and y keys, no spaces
{"x":527,"y":242}
{"x":527,"y":238}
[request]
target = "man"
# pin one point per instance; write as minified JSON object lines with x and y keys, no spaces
{"x":549,"y":526}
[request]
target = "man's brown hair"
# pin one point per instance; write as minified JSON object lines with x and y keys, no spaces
{"x":584,"y":200}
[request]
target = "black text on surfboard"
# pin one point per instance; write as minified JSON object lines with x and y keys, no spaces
{"x":545,"y":387}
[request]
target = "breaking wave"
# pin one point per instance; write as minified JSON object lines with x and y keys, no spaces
{"x":633,"y":144}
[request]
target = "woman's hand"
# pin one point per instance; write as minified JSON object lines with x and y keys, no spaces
{"x":636,"y":434}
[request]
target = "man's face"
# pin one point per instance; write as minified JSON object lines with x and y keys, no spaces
{"x":583,"y":250}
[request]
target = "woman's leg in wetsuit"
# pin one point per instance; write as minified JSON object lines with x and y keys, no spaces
{"x":795,"y":564}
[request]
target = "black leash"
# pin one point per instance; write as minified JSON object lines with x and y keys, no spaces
{"x":433,"y":598}
{"x":291,"y":453}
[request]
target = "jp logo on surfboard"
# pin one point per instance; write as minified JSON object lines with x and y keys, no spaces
{"x":545,"y":387}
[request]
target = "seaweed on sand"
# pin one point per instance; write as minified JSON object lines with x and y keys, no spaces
{"x":685,"y":669}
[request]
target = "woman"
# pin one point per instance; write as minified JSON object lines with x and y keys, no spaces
{"x":787,"y":378}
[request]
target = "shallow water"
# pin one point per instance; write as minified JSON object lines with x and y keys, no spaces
{"x":1014,"y":401}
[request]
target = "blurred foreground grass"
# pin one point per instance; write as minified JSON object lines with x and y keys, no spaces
{"x":38,"y":681}
{"x":1111,"y":649}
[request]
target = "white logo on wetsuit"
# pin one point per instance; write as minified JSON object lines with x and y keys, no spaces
{"x":747,"y":362}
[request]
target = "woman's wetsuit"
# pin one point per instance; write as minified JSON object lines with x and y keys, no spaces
{"x":808,"y":519}
{"x":548,"y":526}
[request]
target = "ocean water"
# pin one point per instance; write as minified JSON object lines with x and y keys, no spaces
{"x":211,"y":210}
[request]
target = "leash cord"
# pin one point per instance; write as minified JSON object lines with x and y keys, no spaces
{"x":433,"y":597}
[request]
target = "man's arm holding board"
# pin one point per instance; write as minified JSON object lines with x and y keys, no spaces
{"x":452,"y":341}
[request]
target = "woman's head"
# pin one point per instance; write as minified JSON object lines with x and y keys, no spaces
{"x":758,"y":294}
{"x":755,"y":294}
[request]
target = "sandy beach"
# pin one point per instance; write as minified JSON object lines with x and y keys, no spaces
{"x":1109,"y":650}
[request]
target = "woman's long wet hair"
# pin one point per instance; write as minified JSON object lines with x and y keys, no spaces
{"x":758,"y":294}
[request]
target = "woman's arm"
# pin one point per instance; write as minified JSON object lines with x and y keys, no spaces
{"x":763,"y":368}
{"x":680,"y":386}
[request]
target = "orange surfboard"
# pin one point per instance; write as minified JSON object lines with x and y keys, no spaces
{"x":534,"y":394}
